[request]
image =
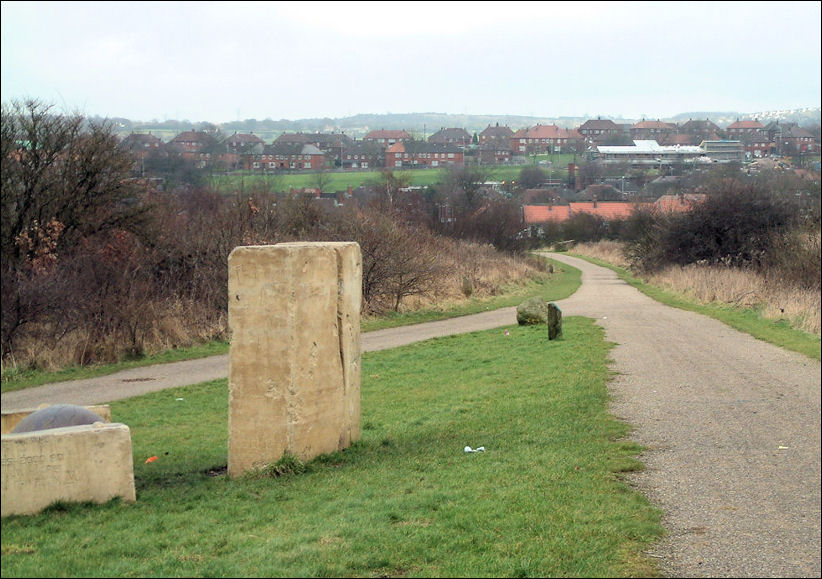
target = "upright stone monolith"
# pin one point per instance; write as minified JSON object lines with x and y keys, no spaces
{"x":294,"y":362}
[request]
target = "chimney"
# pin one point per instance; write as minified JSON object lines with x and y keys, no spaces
{"x":595,"y":201}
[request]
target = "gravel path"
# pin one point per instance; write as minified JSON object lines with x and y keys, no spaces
{"x":732,"y":427}
{"x":731,"y":424}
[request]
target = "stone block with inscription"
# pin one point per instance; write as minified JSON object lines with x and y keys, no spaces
{"x":294,"y":362}
{"x":71,"y":464}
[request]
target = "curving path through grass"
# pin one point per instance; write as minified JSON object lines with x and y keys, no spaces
{"x":731,"y":424}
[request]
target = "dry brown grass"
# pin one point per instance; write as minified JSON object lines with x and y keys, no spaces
{"x":467,"y":271}
{"x":471,"y":270}
{"x":707,"y":284}
{"x":610,"y":251}
{"x":170,"y":325}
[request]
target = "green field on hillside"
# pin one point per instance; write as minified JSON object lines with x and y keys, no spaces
{"x":248,"y":181}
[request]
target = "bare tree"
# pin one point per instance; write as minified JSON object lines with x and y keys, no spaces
{"x":64,"y":181}
{"x":388,"y":185}
{"x":321,"y":179}
{"x":466,"y":182}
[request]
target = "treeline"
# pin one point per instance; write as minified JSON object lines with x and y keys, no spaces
{"x":97,"y":265}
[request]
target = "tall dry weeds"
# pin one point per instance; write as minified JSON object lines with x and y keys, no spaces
{"x":742,"y":288}
{"x":473,"y":270}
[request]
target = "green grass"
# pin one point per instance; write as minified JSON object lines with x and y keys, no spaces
{"x":747,"y":320}
{"x":562,"y":283}
{"x":340,"y":181}
{"x":545,"y":499}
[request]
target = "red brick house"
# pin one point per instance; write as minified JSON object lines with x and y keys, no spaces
{"x":699,"y":130}
{"x":790,"y":138}
{"x":189,"y":143}
{"x":599,"y":131}
{"x":285,"y":157}
{"x":142,"y":146}
{"x":757,"y":144}
{"x":242,"y":142}
{"x":652,"y":130}
{"x":236,"y":151}
{"x":142,"y":142}
{"x":739,"y":128}
{"x":544,"y":139}
{"x":328,"y":143}
{"x":495,"y":152}
{"x":452,"y":136}
{"x":496,"y":134}
{"x":387,"y":138}
{"x":411,"y":154}
{"x":363,"y":155}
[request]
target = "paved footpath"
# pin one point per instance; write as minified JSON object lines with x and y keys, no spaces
{"x":731,"y":424}
{"x":732,"y":428}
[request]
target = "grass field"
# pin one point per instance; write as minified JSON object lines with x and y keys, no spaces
{"x":544,"y":499}
{"x":341,"y":180}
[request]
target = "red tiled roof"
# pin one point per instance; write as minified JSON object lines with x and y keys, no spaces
{"x":387,"y":134}
{"x":608,"y":210}
{"x":544,"y":213}
{"x":674,"y":203}
{"x":653,"y":125}
{"x":746,"y":125}
{"x":605,"y":209}
{"x":550,"y":132}
{"x":599,"y":124}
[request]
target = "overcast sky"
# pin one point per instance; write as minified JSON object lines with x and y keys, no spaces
{"x":226,"y":61}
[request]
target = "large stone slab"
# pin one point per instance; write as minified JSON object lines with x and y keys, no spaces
{"x":294,"y":362}
{"x":72,"y":464}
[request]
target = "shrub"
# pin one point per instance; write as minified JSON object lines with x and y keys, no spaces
{"x":735,"y":226}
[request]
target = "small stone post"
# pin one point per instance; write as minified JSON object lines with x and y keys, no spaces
{"x":554,"y":321}
{"x":294,"y":361}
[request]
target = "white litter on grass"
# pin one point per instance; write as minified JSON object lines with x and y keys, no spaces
{"x":478,"y":449}
{"x":178,"y":399}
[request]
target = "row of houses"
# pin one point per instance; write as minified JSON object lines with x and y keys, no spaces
{"x":494,"y":145}
{"x":758,"y":140}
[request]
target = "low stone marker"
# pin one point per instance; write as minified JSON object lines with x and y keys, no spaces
{"x":91,"y":462}
{"x":294,"y":362}
{"x":535,"y":311}
{"x":554,"y":321}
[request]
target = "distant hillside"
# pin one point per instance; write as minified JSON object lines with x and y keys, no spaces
{"x":423,"y":125}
